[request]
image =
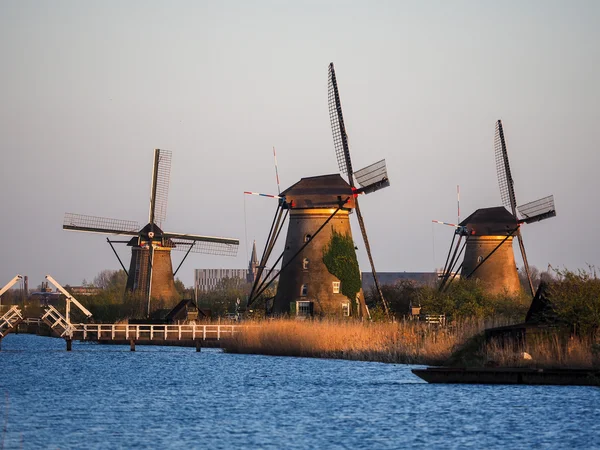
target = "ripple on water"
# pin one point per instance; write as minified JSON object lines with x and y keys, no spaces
{"x":168,"y":397}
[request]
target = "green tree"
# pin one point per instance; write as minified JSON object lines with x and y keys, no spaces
{"x":575,"y":299}
{"x":468,"y":298}
{"x":180,"y":288}
{"x":223,"y":298}
{"x":399,"y":297}
{"x":339,"y":257}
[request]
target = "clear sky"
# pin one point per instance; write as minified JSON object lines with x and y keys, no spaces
{"x":89,"y":89}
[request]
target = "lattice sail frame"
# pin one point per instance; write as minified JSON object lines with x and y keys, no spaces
{"x":207,"y":248}
{"x":161,"y":184}
{"x":96,"y":224}
{"x":505,"y":181}
{"x":338,"y":129}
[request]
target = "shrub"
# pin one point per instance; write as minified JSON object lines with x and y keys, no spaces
{"x":575,"y":300}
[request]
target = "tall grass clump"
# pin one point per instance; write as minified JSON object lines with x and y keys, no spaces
{"x":400,"y":342}
{"x":550,"y":350}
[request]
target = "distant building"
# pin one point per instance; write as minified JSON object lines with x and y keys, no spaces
{"x":208,"y":279}
{"x":84,"y":290}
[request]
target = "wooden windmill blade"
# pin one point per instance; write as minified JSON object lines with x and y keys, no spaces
{"x":537,"y":210}
{"x":342,"y":153}
{"x":159,"y":191}
{"x":96,"y":224}
{"x":505,"y":180}
{"x":340,"y":138}
{"x":372,"y":178}
{"x":193,"y":243}
{"x":507,"y":191}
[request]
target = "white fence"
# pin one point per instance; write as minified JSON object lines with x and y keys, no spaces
{"x":153,"y":332}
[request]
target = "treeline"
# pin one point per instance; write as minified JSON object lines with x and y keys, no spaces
{"x":113,"y":304}
{"x":572,"y":298}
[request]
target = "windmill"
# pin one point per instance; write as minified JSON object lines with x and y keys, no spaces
{"x":318,"y":208}
{"x":489,"y":232}
{"x":151,"y":272}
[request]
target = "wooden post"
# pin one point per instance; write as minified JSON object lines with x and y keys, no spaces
{"x":69,"y":345}
{"x":132,"y":345}
{"x":198,"y":345}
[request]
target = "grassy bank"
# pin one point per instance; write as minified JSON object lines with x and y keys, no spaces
{"x":550,"y":351}
{"x":401,"y":342}
{"x":460,"y":344}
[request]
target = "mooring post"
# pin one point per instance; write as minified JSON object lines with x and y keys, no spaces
{"x":198,"y":345}
{"x":69,"y":344}
{"x":132,"y":345}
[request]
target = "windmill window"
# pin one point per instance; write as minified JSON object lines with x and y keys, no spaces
{"x":304,"y":290}
{"x":307,"y":237}
{"x":336,"y":287}
{"x":305,"y":263}
{"x":304,"y":308}
{"x":346,"y":309}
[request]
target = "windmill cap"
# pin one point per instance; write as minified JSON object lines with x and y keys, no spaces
{"x":322,"y":191}
{"x":496,"y":221}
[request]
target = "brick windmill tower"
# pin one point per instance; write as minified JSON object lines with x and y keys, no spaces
{"x":319,"y":273}
{"x":151,"y":274}
{"x":488,"y":234}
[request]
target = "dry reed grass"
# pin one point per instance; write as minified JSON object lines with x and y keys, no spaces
{"x":400,"y":342}
{"x":552,"y":350}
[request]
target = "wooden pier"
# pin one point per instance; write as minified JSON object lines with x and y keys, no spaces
{"x":149,"y":334}
{"x":185,"y":335}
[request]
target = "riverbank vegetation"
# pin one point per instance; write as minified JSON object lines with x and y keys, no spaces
{"x":461,"y":344}
{"x":408,"y":342}
{"x":569,"y":336}
{"x":571,"y":318}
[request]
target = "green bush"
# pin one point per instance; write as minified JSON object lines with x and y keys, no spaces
{"x":463,"y":298}
{"x":575,"y":299}
{"x":339,"y":257}
{"x":468,"y":298}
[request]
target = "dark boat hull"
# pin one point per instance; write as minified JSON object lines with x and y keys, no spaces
{"x":570,"y":377}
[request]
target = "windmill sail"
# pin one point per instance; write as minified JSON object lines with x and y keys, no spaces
{"x":373,"y":177}
{"x":505,"y":181}
{"x":342,"y":153}
{"x":507,"y":190}
{"x":537,"y":210}
{"x":159,"y":192}
{"x":202,"y":244}
{"x":340,"y":138}
{"x":95,"y":224}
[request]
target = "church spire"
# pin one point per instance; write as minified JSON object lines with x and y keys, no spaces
{"x":254,"y":258}
{"x":253,"y":265}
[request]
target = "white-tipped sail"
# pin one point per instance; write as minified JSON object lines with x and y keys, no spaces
{"x":537,"y":210}
{"x":372,"y":174}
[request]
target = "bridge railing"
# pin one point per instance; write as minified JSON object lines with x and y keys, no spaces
{"x":142,"y":332}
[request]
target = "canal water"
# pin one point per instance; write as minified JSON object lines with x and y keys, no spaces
{"x":101,"y":397}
